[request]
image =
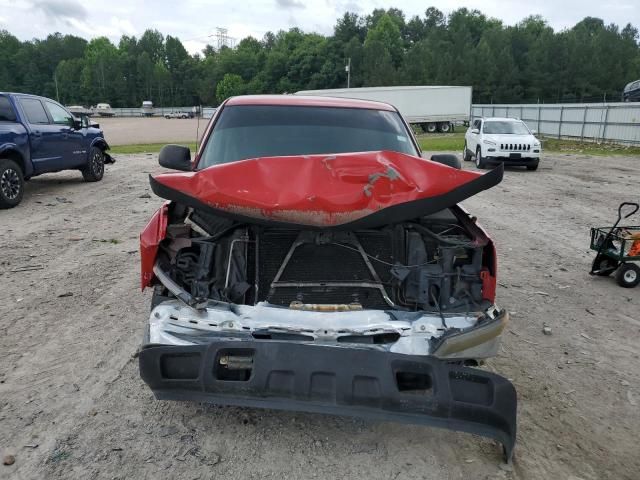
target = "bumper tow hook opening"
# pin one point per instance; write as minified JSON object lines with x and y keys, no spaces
{"x":234,"y":365}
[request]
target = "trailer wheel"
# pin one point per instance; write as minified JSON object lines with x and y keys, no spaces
{"x":431,"y":127}
{"x":444,"y":127}
{"x":605,"y":266}
{"x":628,"y":275}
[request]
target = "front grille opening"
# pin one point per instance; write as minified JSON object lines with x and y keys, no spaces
{"x":234,"y":365}
{"x":414,"y":383}
{"x":375,"y":339}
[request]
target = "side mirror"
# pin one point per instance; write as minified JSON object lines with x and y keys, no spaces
{"x":447,"y":159}
{"x":534,"y":132}
{"x":175,"y":157}
{"x":76,"y":123}
{"x":475,"y":131}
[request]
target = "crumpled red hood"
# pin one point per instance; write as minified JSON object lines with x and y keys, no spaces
{"x":354,"y":189}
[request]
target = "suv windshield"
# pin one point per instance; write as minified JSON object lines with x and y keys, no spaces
{"x":506,"y":127}
{"x":251,"y":131}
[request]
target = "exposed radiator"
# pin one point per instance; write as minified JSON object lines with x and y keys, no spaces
{"x":321,"y":264}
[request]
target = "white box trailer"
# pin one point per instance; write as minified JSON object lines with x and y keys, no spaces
{"x":147,"y":109}
{"x":434,"y":108}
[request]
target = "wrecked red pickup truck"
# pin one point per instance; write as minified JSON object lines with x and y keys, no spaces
{"x":309,"y":259}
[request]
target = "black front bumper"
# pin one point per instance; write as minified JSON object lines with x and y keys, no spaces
{"x":513,"y":162}
{"x":360,"y":382}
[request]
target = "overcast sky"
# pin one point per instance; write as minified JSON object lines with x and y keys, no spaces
{"x":194,"y":20}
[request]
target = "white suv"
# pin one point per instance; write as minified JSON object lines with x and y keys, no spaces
{"x":501,"y":140}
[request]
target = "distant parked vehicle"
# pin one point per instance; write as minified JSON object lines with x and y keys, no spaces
{"x":432,"y":108}
{"x":79,"y":110}
{"x":103,"y":110}
{"x":501,"y":140}
{"x":38,"y":135}
{"x":147,"y":108}
{"x":631,"y":92}
{"x":178,"y":115}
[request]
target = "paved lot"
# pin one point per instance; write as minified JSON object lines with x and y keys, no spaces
{"x":134,"y":130}
{"x":72,"y":405}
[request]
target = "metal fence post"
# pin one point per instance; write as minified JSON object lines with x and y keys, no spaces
{"x":539,"y":112}
{"x":606,"y":120}
{"x":584,"y":121}
{"x":560,"y":123}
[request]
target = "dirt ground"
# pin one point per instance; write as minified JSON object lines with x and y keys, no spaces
{"x":72,"y":405}
{"x":132,"y":130}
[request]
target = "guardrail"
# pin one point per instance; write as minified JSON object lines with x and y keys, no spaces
{"x":596,"y":122}
{"x":207,"y":112}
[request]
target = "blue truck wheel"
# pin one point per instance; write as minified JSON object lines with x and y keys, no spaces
{"x":94,"y":170}
{"x":11,"y":183}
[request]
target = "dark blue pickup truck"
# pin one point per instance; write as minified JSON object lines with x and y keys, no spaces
{"x":38,"y":135}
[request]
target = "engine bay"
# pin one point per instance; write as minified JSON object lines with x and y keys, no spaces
{"x":437,"y":263}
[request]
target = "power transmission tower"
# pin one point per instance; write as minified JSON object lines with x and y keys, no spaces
{"x":223,"y":39}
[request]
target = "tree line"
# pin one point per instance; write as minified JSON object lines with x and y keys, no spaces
{"x":526,"y":62}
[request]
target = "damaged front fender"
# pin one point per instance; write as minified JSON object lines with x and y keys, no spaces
{"x":150,"y":238}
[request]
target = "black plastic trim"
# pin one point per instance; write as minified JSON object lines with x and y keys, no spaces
{"x":511,"y":162}
{"x":358,"y":382}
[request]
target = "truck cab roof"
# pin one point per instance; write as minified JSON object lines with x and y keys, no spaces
{"x":309,"y":101}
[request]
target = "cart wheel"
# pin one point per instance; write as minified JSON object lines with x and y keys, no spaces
{"x":605,"y":267}
{"x":628,"y":275}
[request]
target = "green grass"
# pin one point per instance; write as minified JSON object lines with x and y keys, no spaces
{"x":588,"y":148}
{"x":441,"y":142}
{"x":146,"y":148}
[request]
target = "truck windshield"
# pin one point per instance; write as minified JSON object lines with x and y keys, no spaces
{"x":252,"y":131}
{"x":506,"y":128}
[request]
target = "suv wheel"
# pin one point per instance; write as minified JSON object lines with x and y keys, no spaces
{"x":480,"y":163}
{"x":533,"y":167}
{"x":11,"y":183}
{"x":94,"y":171}
{"x":466,"y":154}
